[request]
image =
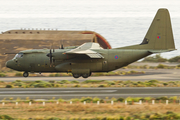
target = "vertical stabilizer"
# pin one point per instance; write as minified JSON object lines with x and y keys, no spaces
{"x":159,"y":36}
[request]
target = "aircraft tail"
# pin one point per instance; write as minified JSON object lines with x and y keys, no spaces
{"x":159,"y":37}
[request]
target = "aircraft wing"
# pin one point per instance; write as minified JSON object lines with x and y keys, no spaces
{"x":34,"y":51}
{"x":87,"y":49}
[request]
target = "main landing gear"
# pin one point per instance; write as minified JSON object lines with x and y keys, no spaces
{"x":25,"y":74}
{"x":76,"y":75}
{"x":84,"y":75}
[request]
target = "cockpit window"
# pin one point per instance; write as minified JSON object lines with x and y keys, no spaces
{"x":19,"y":55}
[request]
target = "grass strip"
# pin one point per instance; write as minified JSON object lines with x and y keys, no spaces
{"x":89,"y":112}
{"x":87,"y":83}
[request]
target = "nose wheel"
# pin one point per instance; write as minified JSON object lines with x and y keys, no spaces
{"x":25,"y":74}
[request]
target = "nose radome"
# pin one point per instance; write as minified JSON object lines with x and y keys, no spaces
{"x":9,"y":64}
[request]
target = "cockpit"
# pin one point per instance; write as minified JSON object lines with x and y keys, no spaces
{"x":19,"y":55}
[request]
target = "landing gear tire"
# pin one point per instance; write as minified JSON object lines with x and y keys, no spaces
{"x":86,"y":75}
{"x":76,"y":75}
{"x":25,"y":74}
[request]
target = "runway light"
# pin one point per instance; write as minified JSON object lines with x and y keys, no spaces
{"x":97,"y":102}
{"x":125,"y":102}
{"x":153,"y":101}
{"x":167,"y":102}
{"x":112,"y":102}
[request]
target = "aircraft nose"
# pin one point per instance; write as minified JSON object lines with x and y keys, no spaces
{"x":9,"y":64}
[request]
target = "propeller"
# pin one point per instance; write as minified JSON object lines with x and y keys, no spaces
{"x":52,"y":61}
{"x":62,"y":47}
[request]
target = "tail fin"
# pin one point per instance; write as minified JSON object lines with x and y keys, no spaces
{"x":159,"y":36}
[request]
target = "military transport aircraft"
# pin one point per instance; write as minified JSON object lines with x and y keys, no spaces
{"x":90,"y":57}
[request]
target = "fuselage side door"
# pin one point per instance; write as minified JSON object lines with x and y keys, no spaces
{"x":105,"y":61}
{"x":32,"y":62}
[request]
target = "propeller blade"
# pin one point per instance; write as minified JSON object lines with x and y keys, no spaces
{"x":53,"y":62}
{"x":62,"y":46}
{"x":50,"y":61}
{"x":50,"y":57}
{"x":50,"y":51}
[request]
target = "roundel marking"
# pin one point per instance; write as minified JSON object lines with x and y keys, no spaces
{"x":116,"y":57}
{"x":158,"y":37}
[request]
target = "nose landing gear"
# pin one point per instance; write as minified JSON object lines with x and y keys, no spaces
{"x":25,"y":74}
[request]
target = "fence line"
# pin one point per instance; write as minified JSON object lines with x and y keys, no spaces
{"x":126,"y":102}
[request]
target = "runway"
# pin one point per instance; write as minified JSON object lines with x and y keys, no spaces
{"x":69,"y":93}
{"x":150,"y":74}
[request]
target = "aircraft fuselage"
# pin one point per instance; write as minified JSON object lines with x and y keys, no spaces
{"x":39,"y":62}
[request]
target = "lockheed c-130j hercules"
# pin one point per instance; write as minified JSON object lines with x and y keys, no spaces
{"x":90,"y":57}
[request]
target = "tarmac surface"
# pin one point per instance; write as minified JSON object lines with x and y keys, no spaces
{"x":68,"y":93}
{"x":158,"y":74}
